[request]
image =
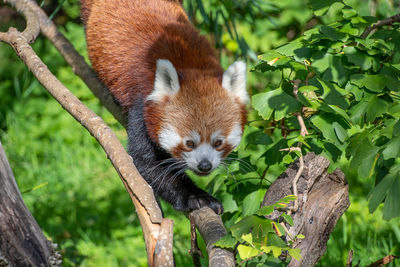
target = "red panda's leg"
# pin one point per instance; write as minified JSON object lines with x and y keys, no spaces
{"x":165,"y":174}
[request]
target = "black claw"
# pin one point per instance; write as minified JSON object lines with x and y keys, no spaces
{"x":199,"y":201}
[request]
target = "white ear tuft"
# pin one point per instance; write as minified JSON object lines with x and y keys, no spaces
{"x":234,"y":80}
{"x":166,"y":82}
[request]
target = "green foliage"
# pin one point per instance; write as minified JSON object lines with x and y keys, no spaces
{"x":349,"y":94}
{"x":256,"y":237}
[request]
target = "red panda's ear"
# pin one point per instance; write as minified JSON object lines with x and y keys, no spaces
{"x":234,"y":80}
{"x":166,"y":82}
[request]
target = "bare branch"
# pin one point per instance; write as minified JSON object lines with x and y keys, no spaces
{"x":212,"y":229}
{"x":163,"y":252}
{"x":323,"y":198}
{"x":387,"y":21}
{"x":350,"y":258}
{"x":385,"y":260}
{"x":32,"y":29}
{"x":303,"y":132}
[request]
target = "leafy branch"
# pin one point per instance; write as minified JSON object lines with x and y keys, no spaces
{"x":387,"y":21}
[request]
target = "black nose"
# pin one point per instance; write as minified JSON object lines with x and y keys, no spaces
{"x":204,"y":165}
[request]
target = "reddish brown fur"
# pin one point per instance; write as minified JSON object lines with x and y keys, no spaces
{"x":126,"y":38}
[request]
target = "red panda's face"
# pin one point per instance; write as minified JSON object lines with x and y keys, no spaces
{"x":200,"y":120}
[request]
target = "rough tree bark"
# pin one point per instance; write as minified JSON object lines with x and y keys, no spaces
{"x":322,"y":199}
{"x":212,"y":229}
{"x":22,"y":242}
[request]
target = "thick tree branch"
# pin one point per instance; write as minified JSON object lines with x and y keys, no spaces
{"x":22,"y":242}
{"x":388,"y":21}
{"x":212,"y":229}
{"x":323,"y":198}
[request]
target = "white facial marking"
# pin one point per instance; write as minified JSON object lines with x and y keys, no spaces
{"x":203,"y":151}
{"x":195,"y":137}
{"x":166,"y":82}
{"x":234,"y":80}
{"x":235,"y":135}
{"x":215,"y":135}
{"x":169,"y":138}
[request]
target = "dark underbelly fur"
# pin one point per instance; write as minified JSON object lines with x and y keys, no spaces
{"x":161,"y":171}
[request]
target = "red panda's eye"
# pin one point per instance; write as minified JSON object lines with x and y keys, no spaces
{"x":190,"y":144}
{"x":217,"y":143}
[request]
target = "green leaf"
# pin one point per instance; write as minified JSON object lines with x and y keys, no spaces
{"x":228,"y":202}
{"x":336,"y":72}
{"x":378,"y":194}
{"x":339,"y":131}
{"x":364,"y":159}
{"x":391,"y":209}
{"x":274,"y":240}
{"x":258,"y":226}
{"x":374,"y":83}
{"x":341,"y":112}
{"x":246,"y":252}
{"x":392,"y":149}
{"x":300,"y":236}
{"x":348,"y":12}
{"x":265,"y":210}
{"x":396,"y":128}
{"x":275,"y":100}
{"x":287,"y":199}
{"x":258,"y":137}
{"x":358,"y":58}
{"x":280,"y":231}
{"x":276,"y":251}
{"x":295,"y":253}
{"x":248,"y":238}
{"x":287,"y":218}
{"x":227,"y":241}
{"x":251,"y":203}
{"x":376,"y":108}
{"x":358,"y":112}
{"x":347,"y":28}
{"x":333,"y":34}
{"x":320,"y":7}
{"x":324,"y":122}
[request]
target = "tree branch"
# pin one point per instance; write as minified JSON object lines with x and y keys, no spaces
{"x":22,"y":242}
{"x":212,"y":229}
{"x":387,"y":21}
{"x":323,"y":198}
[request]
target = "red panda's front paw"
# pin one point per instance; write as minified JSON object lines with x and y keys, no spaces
{"x":196,"y":202}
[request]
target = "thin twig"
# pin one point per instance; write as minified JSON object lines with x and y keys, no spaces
{"x":387,"y":21}
{"x":303,"y":132}
{"x":291,"y":237}
{"x":350,"y":259}
{"x":385,"y":260}
{"x":195,"y":252}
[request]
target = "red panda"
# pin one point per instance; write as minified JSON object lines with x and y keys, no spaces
{"x":183,"y":110}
